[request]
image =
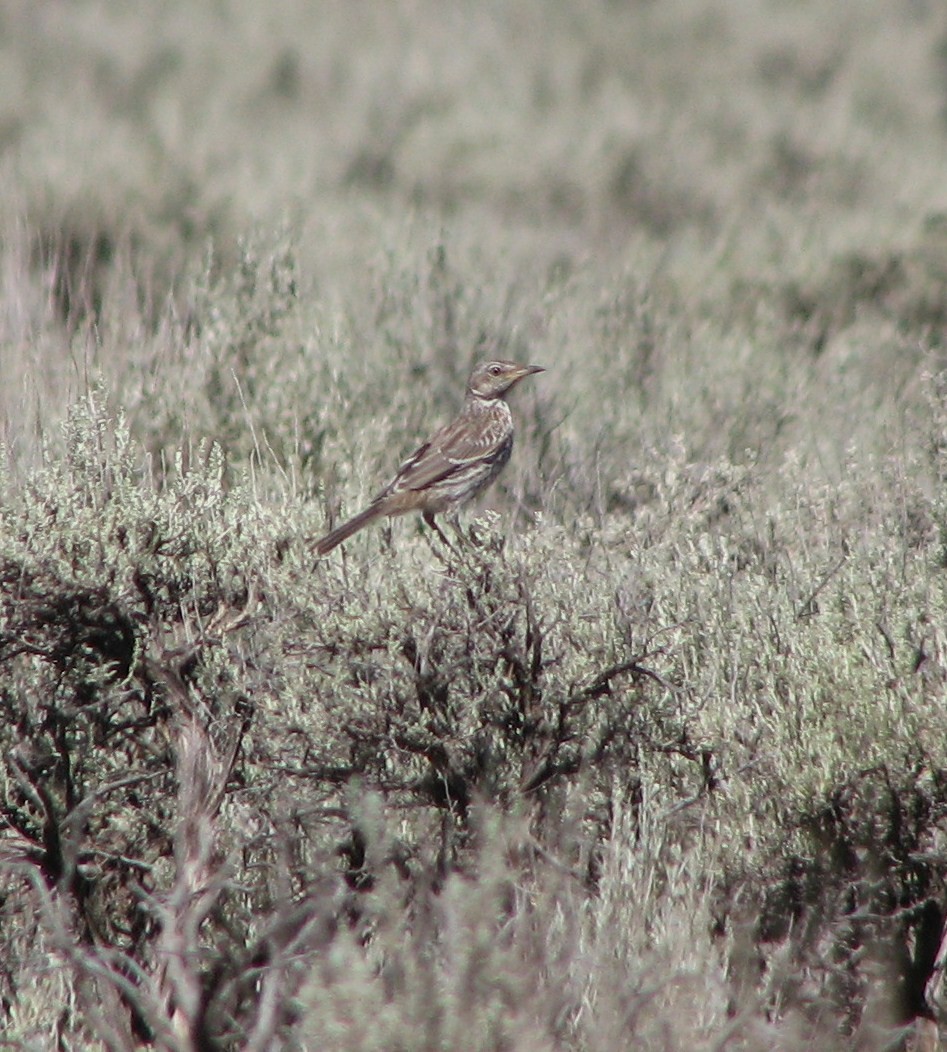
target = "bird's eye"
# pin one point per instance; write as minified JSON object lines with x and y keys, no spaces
{"x":495,"y":370}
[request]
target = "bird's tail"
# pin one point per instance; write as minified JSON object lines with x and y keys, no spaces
{"x":342,"y":533}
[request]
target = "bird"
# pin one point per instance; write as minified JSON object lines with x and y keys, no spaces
{"x":456,"y":462}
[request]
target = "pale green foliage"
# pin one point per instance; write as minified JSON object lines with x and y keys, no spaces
{"x":657,"y":760}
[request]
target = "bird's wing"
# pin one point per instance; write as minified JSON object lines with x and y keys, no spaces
{"x":465,"y":441}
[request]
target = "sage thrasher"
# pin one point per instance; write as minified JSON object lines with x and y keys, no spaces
{"x":456,"y":463}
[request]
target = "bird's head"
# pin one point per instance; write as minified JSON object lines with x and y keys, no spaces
{"x":494,"y":379}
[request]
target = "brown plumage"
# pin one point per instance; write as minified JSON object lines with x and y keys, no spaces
{"x":456,"y":463}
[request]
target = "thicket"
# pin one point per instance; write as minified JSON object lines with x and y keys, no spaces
{"x":657,"y":758}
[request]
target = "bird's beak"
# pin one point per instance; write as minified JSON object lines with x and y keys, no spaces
{"x":517,"y":374}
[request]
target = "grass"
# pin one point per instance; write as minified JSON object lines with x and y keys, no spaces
{"x":657,"y":761}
